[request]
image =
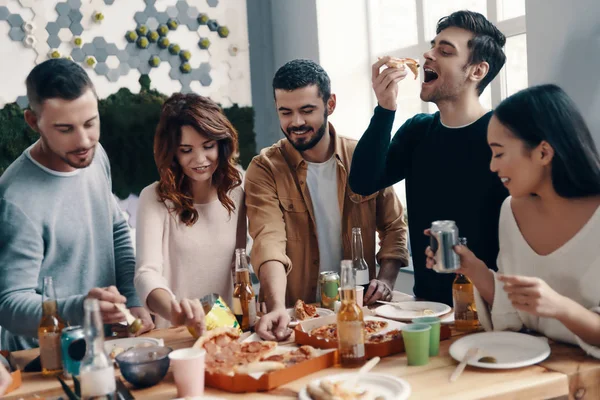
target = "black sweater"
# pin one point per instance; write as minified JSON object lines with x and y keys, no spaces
{"x":447,"y":178}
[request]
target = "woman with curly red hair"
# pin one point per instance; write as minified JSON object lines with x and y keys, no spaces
{"x":191,"y":221}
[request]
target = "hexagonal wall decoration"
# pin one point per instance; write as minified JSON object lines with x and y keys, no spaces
{"x":223,"y":31}
{"x":203,"y":19}
{"x":154,"y":61}
{"x":142,"y":30}
{"x":98,"y":17}
{"x":153,"y":36}
{"x":142,"y":42}
{"x":172,"y":24}
{"x":90,"y":61}
{"x":162,"y":30}
{"x":28,"y":27}
{"x":163,"y":42}
{"x":16,"y":34}
{"x":30,"y":41}
{"x":204,"y":43}
{"x":213,"y":25}
{"x":131,"y":36}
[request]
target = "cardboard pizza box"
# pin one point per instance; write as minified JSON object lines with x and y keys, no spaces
{"x":261,"y":382}
{"x":384,"y":349}
{"x":17,"y":379}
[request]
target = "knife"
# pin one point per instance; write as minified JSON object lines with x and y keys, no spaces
{"x":122,"y":390}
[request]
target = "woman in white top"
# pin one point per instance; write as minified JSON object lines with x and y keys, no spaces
{"x":549,"y":259}
{"x":193,"y":219}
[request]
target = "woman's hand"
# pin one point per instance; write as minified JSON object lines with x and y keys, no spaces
{"x":470,"y":265}
{"x":533,"y":295}
{"x":189,"y":312}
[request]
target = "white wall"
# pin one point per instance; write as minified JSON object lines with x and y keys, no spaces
{"x":563,"y":47}
{"x":344,"y":54}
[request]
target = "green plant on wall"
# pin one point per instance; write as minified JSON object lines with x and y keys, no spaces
{"x":128,"y":121}
{"x":15,"y":135}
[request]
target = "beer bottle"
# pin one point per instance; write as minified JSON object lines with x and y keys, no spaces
{"x":97,"y":374}
{"x":49,"y":331}
{"x":465,"y":310}
{"x":358,"y":260}
{"x":350,"y":322}
{"x":244,"y":303}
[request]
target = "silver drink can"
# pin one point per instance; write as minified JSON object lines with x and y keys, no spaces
{"x":444,"y":236}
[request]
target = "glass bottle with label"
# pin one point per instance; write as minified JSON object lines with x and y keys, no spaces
{"x":244,"y":302}
{"x":97,"y":374}
{"x":358,"y":260}
{"x":49,"y":331}
{"x":465,"y":309}
{"x":350,"y":321}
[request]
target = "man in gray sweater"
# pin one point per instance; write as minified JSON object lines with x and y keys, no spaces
{"x":58,"y":216}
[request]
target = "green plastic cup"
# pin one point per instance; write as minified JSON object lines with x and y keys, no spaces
{"x":434,"y":334}
{"x":416,"y":343}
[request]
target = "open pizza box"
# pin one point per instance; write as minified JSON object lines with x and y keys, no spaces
{"x":265,"y":381}
{"x":382,"y":349}
{"x":15,"y":374}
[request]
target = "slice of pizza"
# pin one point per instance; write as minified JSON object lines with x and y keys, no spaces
{"x":374,"y":326}
{"x":303,"y":311}
{"x":223,"y":335}
{"x":299,"y":311}
{"x":384,"y":337}
{"x":411,"y":63}
{"x":297,"y":356}
{"x":325,"y":332}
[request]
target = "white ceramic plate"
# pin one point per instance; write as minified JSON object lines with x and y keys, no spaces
{"x":510,"y":349}
{"x":412,"y":309}
{"x":321,"y":312}
{"x":387,"y":386}
{"x":126,"y":343}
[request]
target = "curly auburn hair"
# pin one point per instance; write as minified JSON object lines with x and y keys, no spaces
{"x":206,"y":117}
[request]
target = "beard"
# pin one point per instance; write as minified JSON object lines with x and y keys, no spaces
{"x":310,"y":143}
{"x":446,"y":91}
{"x":70,"y":158}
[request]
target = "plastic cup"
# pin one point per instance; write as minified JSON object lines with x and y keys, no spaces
{"x":416,"y":343}
{"x":434,"y":334}
{"x":359,"y":293}
{"x":188,"y":371}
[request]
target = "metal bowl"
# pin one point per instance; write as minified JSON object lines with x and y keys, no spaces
{"x":144,"y":366}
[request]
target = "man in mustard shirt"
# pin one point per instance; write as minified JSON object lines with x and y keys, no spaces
{"x":301,"y":209}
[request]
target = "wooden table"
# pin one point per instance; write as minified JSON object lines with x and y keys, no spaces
{"x":567,"y":374}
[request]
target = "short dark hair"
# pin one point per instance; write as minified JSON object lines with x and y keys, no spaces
{"x":486,"y":44}
{"x":56,"y":78}
{"x":547,"y":113}
{"x":300,"y":73}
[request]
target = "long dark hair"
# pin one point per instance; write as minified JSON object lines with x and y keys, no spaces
{"x":547,"y":113}
{"x":205,"y":116}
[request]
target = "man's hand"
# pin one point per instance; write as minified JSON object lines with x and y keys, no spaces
{"x":189,"y":312}
{"x":107,"y":297}
{"x":378,"y":290}
{"x":144,"y":315}
{"x":274,"y":325}
{"x":385,"y":83}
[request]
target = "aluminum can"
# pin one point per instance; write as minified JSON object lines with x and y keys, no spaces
{"x":444,"y":236}
{"x":328,"y":285}
{"x":72,"y":343}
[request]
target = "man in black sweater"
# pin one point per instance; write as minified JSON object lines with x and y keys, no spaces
{"x":444,"y":157}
